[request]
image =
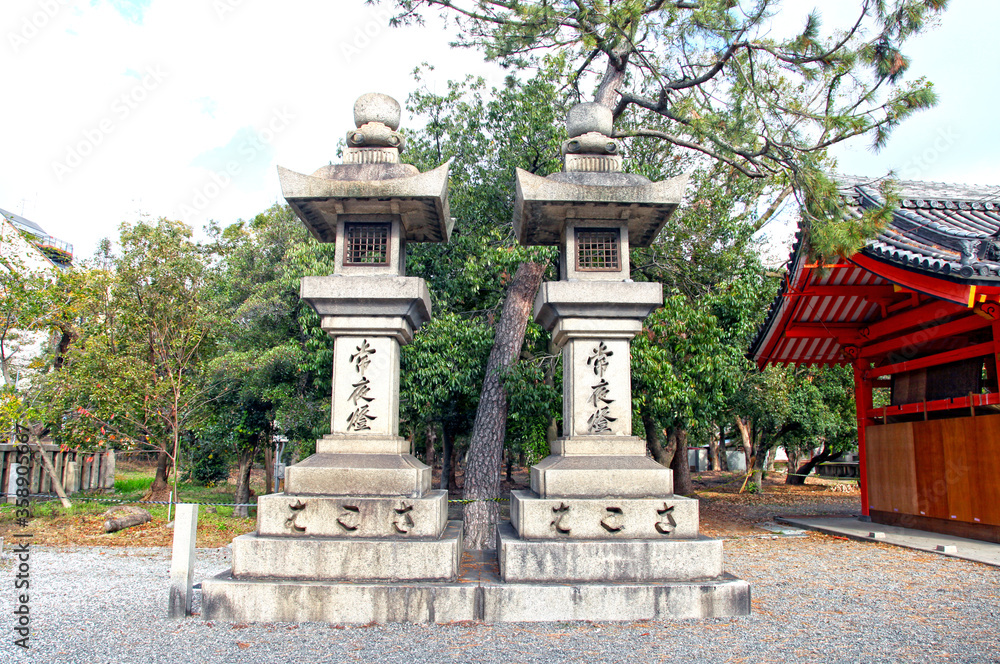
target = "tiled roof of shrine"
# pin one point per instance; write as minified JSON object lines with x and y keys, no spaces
{"x":948,"y":230}
{"x":950,"y":233}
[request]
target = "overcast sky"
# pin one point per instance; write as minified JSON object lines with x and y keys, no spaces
{"x":116,"y":108}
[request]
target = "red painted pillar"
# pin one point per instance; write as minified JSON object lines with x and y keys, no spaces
{"x":862,"y":403}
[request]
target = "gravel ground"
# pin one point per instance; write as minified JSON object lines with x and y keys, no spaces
{"x":816,"y":599}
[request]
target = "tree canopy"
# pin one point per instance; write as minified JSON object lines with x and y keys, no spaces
{"x":717,"y":78}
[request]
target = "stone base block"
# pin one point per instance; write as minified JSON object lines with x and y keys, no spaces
{"x":361,"y":444}
{"x":599,"y":446}
{"x":672,"y":517}
{"x":601,"y":476}
{"x":359,"y":559}
{"x":359,"y":475}
{"x":722,"y":597}
{"x":641,"y":561}
{"x":485,"y":598}
{"x":250,"y":600}
{"x":280,"y":514}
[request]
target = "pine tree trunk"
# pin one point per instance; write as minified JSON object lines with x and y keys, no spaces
{"x":482,"y":476}
{"x":680,"y":465}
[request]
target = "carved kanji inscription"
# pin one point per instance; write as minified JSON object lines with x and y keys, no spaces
{"x":560,"y":512}
{"x":666,"y":524}
{"x":292,"y":521}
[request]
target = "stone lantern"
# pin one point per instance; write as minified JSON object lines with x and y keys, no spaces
{"x":358,"y":532}
{"x":601,"y":535}
{"x":358,"y":536}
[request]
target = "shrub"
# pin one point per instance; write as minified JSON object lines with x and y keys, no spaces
{"x":210,"y":463}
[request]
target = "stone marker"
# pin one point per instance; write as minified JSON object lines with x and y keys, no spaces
{"x":182,"y":561}
{"x":12,"y":481}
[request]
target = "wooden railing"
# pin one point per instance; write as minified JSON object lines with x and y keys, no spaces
{"x":971,"y":401}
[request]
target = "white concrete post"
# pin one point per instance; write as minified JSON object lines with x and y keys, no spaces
{"x":182,"y":561}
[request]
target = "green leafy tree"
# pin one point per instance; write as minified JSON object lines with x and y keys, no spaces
{"x":272,"y":361}
{"x":828,"y":420}
{"x":136,"y":376}
{"x":442,"y":373}
{"x":688,"y":364}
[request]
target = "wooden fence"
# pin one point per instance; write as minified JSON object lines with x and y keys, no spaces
{"x":78,"y":471}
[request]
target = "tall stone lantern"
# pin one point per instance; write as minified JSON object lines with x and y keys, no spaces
{"x":358,"y":535}
{"x":600,"y":535}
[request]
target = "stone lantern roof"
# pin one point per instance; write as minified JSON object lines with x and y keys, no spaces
{"x":372,"y":181}
{"x":592,"y":187}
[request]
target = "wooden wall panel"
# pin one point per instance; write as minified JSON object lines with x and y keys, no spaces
{"x":891,"y":468}
{"x":876,"y":461}
{"x":932,"y":490}
{"x":986,"y":469}
{"x":940,"y":469}
{"x":957,"y":436}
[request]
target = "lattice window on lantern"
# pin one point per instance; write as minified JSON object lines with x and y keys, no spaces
{"x":597,"y":249}
{"x":366,"y":244}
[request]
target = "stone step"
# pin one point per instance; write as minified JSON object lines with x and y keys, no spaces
{"x":362,"y":444}
{"x":486,"y":599}
{"x":597,"y":445}
{"x":359,"y":475}
{"x":644,"y":561}
{"x":248,"y":600}
{"x":281,"y":514}
{"x":673,"y":517}
{"x":357,"y":559}
{"x":722,"y":597}
{"x":601,"y":476}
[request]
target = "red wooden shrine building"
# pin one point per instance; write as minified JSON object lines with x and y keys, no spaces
{"x":917,"y":311}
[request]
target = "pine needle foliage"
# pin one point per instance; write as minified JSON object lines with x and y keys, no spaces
{"x":719,"y":78}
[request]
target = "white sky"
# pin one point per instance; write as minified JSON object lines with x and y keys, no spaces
{"x":114,"y":108}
